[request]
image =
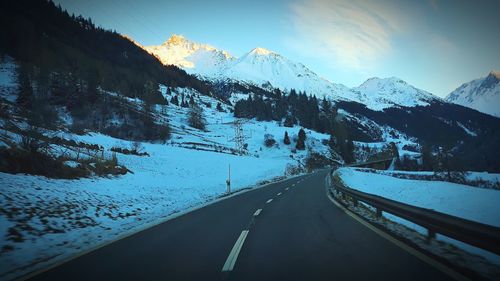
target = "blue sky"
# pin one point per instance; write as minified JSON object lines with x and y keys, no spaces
{"x":436,"y":45}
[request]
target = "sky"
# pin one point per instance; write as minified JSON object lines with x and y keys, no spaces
{"x":435,"y":45}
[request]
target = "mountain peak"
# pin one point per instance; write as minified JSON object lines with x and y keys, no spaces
{"x":482,"y":94}
{"x":261,"y":51}
{"x":495,"y":73}
{"x":384,"y":81}
{"x":176,"y":39}
{"x":379,"y":93}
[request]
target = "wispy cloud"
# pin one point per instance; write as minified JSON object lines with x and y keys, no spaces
{"x":354,"y":33}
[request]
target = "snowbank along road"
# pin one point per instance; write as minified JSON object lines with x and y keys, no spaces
{"x":289,"y":230}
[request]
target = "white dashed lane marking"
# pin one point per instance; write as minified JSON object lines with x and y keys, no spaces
{"x":257,"y":212}
{"x":233,"y":255}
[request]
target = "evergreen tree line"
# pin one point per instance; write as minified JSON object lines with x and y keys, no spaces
{"x":299,"y":109}
{"x":294,"y":108}
{"x":42,"y":92}
{"x":444,"y":161}
{"x":39,"y":33}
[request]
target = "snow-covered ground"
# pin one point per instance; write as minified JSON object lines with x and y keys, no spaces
{"x":481,"y":205}
{"x":45,"y":220}
{"x":470,"y":178}
{"x":52,"y":219}
{"x":8,"y":83}
{"x":476,"y":204}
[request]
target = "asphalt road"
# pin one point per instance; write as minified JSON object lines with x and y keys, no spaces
{"x":299,"y":235}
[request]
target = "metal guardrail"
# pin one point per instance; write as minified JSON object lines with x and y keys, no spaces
{"x":480,"y":235}
{"x":371,"y":162}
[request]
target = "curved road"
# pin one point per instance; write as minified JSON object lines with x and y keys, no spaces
{"x":298,"y":235}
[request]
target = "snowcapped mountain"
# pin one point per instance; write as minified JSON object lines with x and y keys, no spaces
{"x":482,"y":94}
{"x":380,"y":93}
{"x":261,"y":67}
{"x":195,"y":58}
{"x":265,"y":68}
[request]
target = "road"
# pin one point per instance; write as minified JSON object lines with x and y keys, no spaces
{"x":298,"y":235}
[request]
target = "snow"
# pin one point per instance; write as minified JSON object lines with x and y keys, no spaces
{"x":483,"y":176}
{"x":71,"y":163}
{"x":8,"y":80}
{"x":261,"y":51}
{"x":171,"y":180}
{"x":482,"y":94}
{"x":379,"y":93}
{"x":476,"y":204}
{"x":259,"y":67}
{"x":59,"y":218}
{"x":265,"y":68}
{"x":469,"y":132}
{"x":188,"y":55}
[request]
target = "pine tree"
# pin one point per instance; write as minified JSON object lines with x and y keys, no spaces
{"x":301,"y":140}
{"x":26,"y":96}
{"x":183,"y":102}
{"x":174,"y":100}
{"x":286,"y":139}
{"x":349,"y":151}
{"x":289,"y":121}
{"x":219,"y":107}
{"x":196,"y":118}
{"x":428,"y":162}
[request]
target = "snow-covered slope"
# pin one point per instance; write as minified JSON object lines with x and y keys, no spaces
{"x":481,"y":204}
{"x":66,"y":217}
{"x":265,"y":68}
{"x":482,"y":94}
{"x":260,"y":67}
{"x":380,"y":93}
{"x":195,"y":58}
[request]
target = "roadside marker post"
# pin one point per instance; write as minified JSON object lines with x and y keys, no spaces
{"x":228,"y":181}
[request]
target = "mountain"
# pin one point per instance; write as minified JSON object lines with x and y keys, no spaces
{"x":482,"y":94}
{"x":195,"y":58}
{"x":259,"y":67}
{"x":379,"y":93}
{"x":267,"y":69}
{"x":101,"y":81}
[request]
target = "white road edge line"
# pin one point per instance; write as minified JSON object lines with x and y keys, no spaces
{"x":269,"y":201}
{"x":279,"y":194}
{"x":432,"y":262}
{"x":257,"y":212}
{"x":147,"y":226}
{"x":233,"y":255}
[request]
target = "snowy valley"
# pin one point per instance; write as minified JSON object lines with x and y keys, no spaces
{"x":102,"y":137}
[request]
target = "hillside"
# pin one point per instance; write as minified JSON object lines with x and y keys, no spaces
{"x":102,"y":137}
{"x":481,"y":94}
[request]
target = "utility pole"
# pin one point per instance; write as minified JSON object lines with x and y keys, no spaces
{"x":239,"y":135}
{"x":228,"y":181}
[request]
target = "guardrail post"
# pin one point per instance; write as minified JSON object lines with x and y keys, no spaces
{"x":354,"y":201}
{"x":476,"y":234}
{"x":431,"y":234}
